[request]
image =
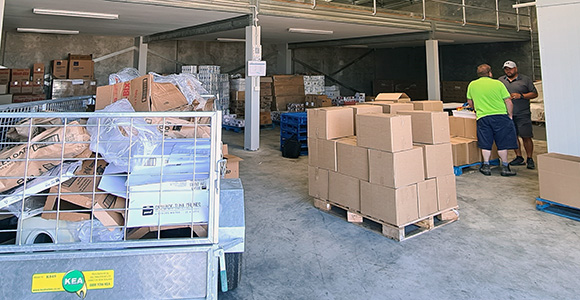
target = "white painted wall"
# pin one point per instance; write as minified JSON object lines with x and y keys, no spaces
{"x":559,"y":36}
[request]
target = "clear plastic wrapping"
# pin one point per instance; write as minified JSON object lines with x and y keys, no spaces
{"x":123,"y":75}
{"x":187,"y":84}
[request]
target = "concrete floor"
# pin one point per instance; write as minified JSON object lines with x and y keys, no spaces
{"x":501,"y":248}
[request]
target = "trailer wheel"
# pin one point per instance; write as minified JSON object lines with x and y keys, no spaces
{"x":233,"y":270}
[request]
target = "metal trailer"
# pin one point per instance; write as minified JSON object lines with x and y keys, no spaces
{"x":65,"y":235}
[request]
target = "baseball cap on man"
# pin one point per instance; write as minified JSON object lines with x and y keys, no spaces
{"x":509,"y":64}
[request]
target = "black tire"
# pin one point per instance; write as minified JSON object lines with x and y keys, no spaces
{"x":233,"y":270}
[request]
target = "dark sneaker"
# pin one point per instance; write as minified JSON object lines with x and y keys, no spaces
{"x":518,"y":161}
{"x":531,"y":164}
{"x":506,"y":171}
{"x":485,"y":169}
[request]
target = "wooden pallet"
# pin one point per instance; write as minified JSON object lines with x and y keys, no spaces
{"x":397,"y":233}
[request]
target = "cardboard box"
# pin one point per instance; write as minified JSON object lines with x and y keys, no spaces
{"x":238,"y":95}
{"x":232,"y":166}
{"x":265,"y":118}
{"x":280,"y":103}
{"x":396,"y":169}
{"x":27,"y":98}
{"x":393,"y":107}
{"x":352,"y":160}
{"x":26,"y":87}
{"x":313,"y":152}
{"x":429,"y":127}
{"x":143,"y":93}
{"x":470,"y":128}
{"x":427,"y":196}
{"x":68,"y":211}
{"x":459,"y":151}
{"x":38,"y":72}
{"x":330,"y":122}
{"x":428,"y":105}
{"x":559,"y":175}
{"x":344,"y":190}
{"x":37,"y":88}
{"x":5,"y":76}
{"x":396,"y":97}
{"x":63,"y":88}
{"x":446,"y":192}
{"x":390,"y":133}
{"x":20,"y":74}
{"x":6,"y":99}
{"x":327,"y":154}
{"x":318,"y":183}
{"x":473,"y":151}
{"x":438,"y":159}
{"x":80,"y":66}
{"x":288,"y":90}
{"x":15,"y":87}
{"x":60,"y":69}
{"x":456,"y":126}
{"x":288,"y":80}
{"x":394,"y":206}
{"x":315,"y":101}
{"x":365,"y":109}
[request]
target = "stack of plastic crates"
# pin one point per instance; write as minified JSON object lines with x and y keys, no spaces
{"x":294,"y":124}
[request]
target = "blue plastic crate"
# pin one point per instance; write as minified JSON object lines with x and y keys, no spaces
{"x":295,"y":118}
{"x":293,"y":128}
{"x":286,"y":134}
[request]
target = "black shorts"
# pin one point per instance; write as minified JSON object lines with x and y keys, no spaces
{"x":498,"y":128}
{"x":523,"y":125}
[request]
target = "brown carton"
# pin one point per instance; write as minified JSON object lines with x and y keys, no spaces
{"x":393,"y":107}
{"x":288,"y":80}
{"x":427,"y":195}
{"x":288,"y":90}
{"x":313,"y":152}
{"x":428,"y":105}
{"x":232,"y":166}
{"x":396,"y":97}
{"x":330,"y":122}
{"x":27,"y":98}
{"x":318,"y":183}
{"x":143,"y":93}
{"x":315,"y":101}
{"x":470,"y":128}
{"x":390,"y":133}
{"x":265,"y":118}
{"x":238,"y":95}
{"x":438,"y":159}
{"x":38,"y":72}
{"x":344,"y":190}
{"x":327,"y":154}
{"x":68,"y":211}
{"x":456,"y":126}
{"x":80,"y":66}
{"x":60,"y":69}
{"x":394,"y":206}
{"x":429,"y":127}
{"x":446,"y":192}
{"x":559,"y":175}
{"x":4,"y":76}
{"x":396,"y":169}
{"x":26,"y":87}
{"x":459,"y":150}
{"x":352,"y":160}
{"x":16,"y":87}
{"x":20,"y":74}
{"x":365,"y":109}
{"x":473,"y":151}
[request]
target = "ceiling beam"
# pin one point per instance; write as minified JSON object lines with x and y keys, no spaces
{"x":368,"y":40}
{"x":207,"y":28}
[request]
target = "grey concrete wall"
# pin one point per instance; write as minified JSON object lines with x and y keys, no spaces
{"x":328,"y":60}
{"x":22,"y":50}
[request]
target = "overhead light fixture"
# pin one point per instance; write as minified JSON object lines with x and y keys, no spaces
{"x":79,"y":14}
{"x":53,"y":31}
{"x":522,"y":5}
{"x":311,"y":31}
{"x":355,"y":46}
{"x":230,"y":40}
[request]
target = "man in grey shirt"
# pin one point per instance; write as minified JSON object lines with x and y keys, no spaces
{"x":521,"y":89}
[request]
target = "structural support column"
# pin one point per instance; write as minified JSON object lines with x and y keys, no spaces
{"x":140,"y":59}
{"x":284,"y":59}
{"x":253,"y":52}
{"x":433,"y":80}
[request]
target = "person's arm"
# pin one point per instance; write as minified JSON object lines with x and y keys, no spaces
{"x":532,"y":92}
{"x":530,"y":95}
{"x":470,"y":102}
{"x":510,"y":106}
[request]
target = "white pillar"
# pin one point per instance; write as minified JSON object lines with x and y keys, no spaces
{"x":140,"y":61}
{"x":433,"y":80}
{"x":284,"y":59}
{"x":252,"y":109}
{"x":2,"y":3}
{"x":559,"y":44}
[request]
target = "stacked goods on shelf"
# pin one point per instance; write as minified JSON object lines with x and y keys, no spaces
{"x":26,"y":86}
{"x":315,"y":101}
{"x":237,"y":97}
{"x":216,"y":84}
{"x":397,"y":170}
{"x":294,"y":124}
{"x":5,"y":96}
{"x":314,"y":85}
{"x":73,"y":77}
{"x":287,"y":89}
{"x":266,"y":100}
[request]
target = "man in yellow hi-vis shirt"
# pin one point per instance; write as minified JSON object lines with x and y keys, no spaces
{"x":493,"y":107}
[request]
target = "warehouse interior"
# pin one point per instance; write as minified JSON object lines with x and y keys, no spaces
{"x":500,"y":247}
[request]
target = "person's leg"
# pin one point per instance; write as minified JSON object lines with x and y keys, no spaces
{"x":503,"y":154}
{"x":505,"y":138}
{"x":519,"y":160}
{"x":486,"y":155}
{"x":485,"y":142}
{"x":527,"y":133}
{"x":529,"y":146}
{"x":518,"y":151}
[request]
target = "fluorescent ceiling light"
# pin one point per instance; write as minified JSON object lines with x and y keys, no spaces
{"x":70,"y":13}
{"x":230,"y":40}
{"x":311,"y":31}
{"x":53,"y":31}
{"x":522,"y":5}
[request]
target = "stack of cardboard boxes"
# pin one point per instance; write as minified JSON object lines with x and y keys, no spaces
{"x":73,"y":77}
{"x":26,"y":86}
{"x":288,"y":89}
{"x":379,"y":172}
{"x":238,"y":102}
{"x":464,"y":141}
